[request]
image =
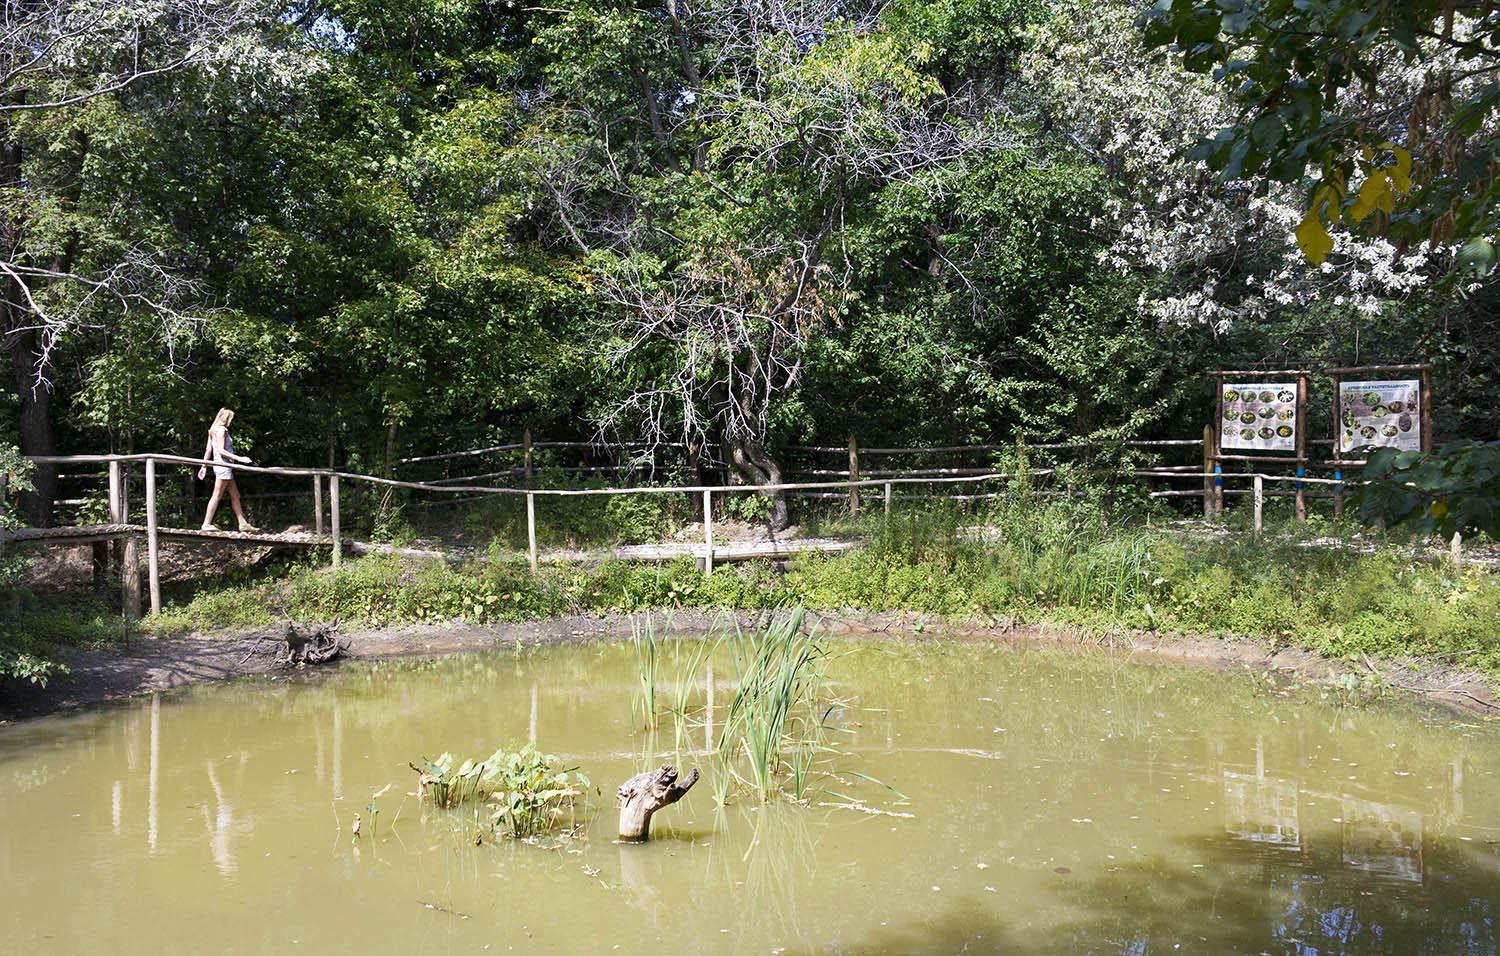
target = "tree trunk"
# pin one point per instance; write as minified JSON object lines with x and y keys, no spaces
{"x":644,"y":794}
{"x":750,"y":461}
{"x":34,"y":389}
{"x":390,"y":451}
{"x":32,"y":373}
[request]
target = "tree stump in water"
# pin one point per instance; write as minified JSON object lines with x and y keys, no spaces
{"x":646,"y":793}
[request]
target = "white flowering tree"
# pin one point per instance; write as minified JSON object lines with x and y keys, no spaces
{"x":1227,"y":250}
{"x":1384,"y":119}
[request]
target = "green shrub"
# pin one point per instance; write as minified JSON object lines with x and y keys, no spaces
{"x":636,"y":519}
{"x":526,"y":796}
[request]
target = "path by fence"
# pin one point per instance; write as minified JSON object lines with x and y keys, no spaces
{"x":961,"y":482}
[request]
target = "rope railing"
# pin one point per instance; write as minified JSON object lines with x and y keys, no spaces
{"x":959,"y":449}
{"x":848,"y":484}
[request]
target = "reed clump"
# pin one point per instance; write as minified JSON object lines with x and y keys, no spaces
{"x":775,"y":726}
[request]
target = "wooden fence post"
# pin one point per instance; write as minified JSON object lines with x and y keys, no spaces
{"x":888,"y":500}
{"x":333,"y":515}
{"x":1338,"y":445}
{"x":115,"y":507}
{"x":130,"y":562}
{"x":1301,"y":425}
{"x":153,"y":550}
{"x":1208,"y":466}
{"x":107,"y":553}
{"x":1218,"y":468}
{"x":708,"y":533}
{"x":853,"y":476}
{"x":1260,"y":503}
{"x":526,"y":456}
{"x":318,"y":505}
{"x":531,"y":528}
{"x":1424,"y":415}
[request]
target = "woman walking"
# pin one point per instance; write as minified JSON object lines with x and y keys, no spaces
{"x":220,"y":451}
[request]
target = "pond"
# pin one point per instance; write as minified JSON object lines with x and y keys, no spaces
{"x":985,"y":798}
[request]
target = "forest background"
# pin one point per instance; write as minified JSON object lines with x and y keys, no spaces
{"x":389,"y":229}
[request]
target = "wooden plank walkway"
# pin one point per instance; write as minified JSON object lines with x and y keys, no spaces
{"x":84,"y":534}
{"x":79,"y":534}
{"x":732,"y":551}
{"x":130,"y":536}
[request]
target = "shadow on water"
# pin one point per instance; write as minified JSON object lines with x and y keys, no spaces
{"x":1238,"y":899}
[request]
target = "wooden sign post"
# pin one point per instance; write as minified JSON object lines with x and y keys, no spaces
{"x":1298,"y":413}
{"x":1424,"y":416}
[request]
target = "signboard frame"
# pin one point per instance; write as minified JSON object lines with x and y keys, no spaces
{"x":1424,"y":376}
{"x":1299,"y":456}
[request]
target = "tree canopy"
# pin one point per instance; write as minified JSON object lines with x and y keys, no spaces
{"x":384,"y":229}
{"x":1385,"y":111}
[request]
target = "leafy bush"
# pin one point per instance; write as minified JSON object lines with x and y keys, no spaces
{"x":22,"y":656}
{"x":1029,"y":558}
{"x":636,"y":519}
{"x":526,"y":795}
{"x":1455,"y":489}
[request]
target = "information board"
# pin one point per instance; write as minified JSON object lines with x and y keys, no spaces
{"x":1260,"y":416}
{"x":1380,"y":414}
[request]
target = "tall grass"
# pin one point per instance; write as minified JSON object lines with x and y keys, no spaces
{"x":687,"y":681}
{"x":1056,"y":555}
{"x":643,"y":637}
{"x":773,"y":723}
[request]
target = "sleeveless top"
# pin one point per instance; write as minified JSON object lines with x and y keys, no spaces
{"x":221,"y":464}
{"x":228,"y":447}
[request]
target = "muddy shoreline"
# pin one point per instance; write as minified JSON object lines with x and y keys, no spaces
{"x":151,"y":664}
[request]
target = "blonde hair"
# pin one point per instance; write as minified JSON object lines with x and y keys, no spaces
{"x":225,"y":416}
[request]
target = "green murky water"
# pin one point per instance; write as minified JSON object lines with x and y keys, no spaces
{"x":1051,"y":803}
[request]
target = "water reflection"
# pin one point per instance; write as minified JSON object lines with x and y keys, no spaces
{"x":220,"y":823}
{"x":1052,"y":804}
{"x":154,"y":773}
{"x":1262,"y":810}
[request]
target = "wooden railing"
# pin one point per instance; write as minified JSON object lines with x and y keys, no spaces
{"x":849,"y":483}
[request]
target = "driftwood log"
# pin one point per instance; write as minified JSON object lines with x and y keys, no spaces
{"x":317,"y":644}
{"x":646,"y":793}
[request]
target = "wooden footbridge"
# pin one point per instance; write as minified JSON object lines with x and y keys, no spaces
{"x":153,"y":533}
{"x":328,"y":534}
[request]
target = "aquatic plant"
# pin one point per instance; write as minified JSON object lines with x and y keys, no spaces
{"x":526,"y":795}
{"x":643,"y":637}
{"x":774,"y":713}
{"x":687,"y":680}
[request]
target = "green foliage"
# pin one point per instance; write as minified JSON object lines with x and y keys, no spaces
{"x":637,"y":519}
{"x":748,"y":507}
{"x":23,"y":657}
{"x":1391,"y":105}
{"x":775,"y":720}
{"x":643,"y":636}
{"x":1457,"y":489}
{"x":528,"y":797}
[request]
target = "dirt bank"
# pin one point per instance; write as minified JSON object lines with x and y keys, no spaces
{"x":154,"y":664}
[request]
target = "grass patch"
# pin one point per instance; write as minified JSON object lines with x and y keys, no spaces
{"x":1032,"y":559}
